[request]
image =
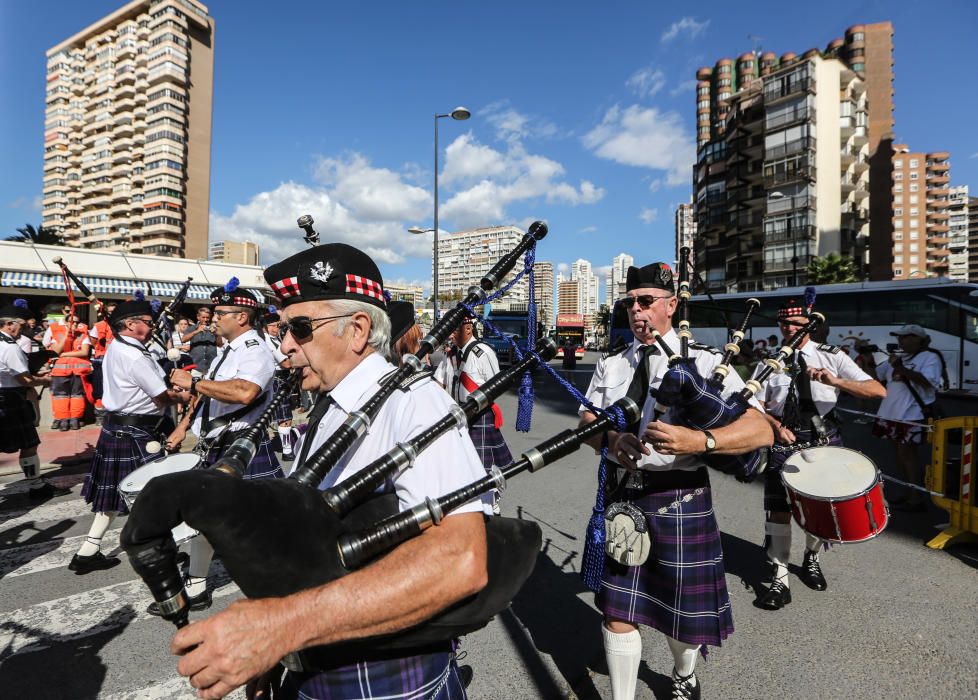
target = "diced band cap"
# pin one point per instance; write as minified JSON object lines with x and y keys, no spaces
{"x":329,"y":271}
{"x":233,"y":295}
{"x":129,"y":309}
{"x":657,"y":276}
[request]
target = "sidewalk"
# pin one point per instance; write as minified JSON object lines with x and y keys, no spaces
{"x":57,"y":449}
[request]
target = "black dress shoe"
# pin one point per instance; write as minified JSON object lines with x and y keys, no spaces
{"x":55,"y":425}
{"x":811,"y":572}
{"x":46,"y":491}
{"x":465,"y":674}
{"x":94,"y":562}
{"x":685,"y":687}
{"x":776,"y":597}
{"x":64,"y":426}
{"x":197,"y":602}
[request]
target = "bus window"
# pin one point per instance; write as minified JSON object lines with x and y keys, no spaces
{"x":971,"y":326}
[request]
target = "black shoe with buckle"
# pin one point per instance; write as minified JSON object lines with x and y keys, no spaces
{"x":197,"y":602}
{"x":56,"y":425}
{"x":685,"y":687}
{"x":811,"y":572}
{"x":776,"y":597}
{"x":82,"y":565}
{"x":45,"y":491}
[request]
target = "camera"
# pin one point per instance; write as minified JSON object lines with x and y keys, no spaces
{"x":892,"y":347}
{"x":869,"y":348}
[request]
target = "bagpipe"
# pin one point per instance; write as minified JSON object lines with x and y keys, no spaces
{"x":277,"y":537}
{"x":166,"y":317}
{"x":70,"y":277}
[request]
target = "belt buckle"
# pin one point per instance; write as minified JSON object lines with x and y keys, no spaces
{"x":293,"y":662}
{"x":633,"y":478}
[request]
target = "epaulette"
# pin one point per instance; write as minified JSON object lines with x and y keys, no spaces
{"x":706,"y":348}
{"x":252,"y":343}
{"x":415,"y":378}
{"x":477,"y":349}
{"x":832,"y":349}
{"x":617,"y":350}
{"x":7,"y":339}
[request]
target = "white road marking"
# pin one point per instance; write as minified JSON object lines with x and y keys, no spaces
{"x":44,"y":556}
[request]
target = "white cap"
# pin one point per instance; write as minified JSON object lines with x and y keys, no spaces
{"x":911,"y":329}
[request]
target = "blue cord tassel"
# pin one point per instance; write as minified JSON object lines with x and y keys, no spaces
{"x":592,"y":563}
{"x":524,"y":409}
{"x":155,"y":305}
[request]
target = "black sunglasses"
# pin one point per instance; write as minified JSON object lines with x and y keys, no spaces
{"x":301,"y":326}
{"x":644,"y":302}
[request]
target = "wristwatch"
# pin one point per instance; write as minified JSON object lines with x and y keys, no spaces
{"x":711,"y":442}
{"x":193,"y":385}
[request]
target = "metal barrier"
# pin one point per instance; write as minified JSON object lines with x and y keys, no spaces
{"x":950,"y":473}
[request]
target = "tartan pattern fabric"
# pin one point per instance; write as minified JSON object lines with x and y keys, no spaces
{"x":17,"y":429}
{"x":263,"y":466}
{"x":423,"y":677}
{"x":355,"y":284}
{"x":680,"y":590}
{"x":775,"y":496}
{"x":898,"y":432}
{"x":120,"y":450}
{"x":284,"y":410}
{"x":489,"y":442}
{"x":702,"y":406}
{"x":789,"y":311}
{"x":289,"y":287}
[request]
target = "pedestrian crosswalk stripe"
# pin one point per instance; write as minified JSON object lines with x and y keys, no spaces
{"x":69,"y":509}
{"x":66,"y":481}
{"x":53,"y":554}
{"x":174,"y":689}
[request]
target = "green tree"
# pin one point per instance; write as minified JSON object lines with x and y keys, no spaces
{"x":832,"y":269}
{"x":37,"y":236}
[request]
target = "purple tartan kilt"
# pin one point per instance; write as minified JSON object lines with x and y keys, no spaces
{"x":423,"y":677}
{"x":120,"y":450}
{"x":263,"y":466}
{"x":284,"y":410}
{"x":680,"y":590}
{"x":17,"y":429}
{"x":489,"y":442}
{"x":775,"y":496}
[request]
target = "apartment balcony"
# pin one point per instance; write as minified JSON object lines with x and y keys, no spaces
{"x":860,"y":136}
{"x":784,"y":120}
{"x":938,"y":228}
{"x":790,"y":148}
{"x":933,"y":180}
{"x":938,"y":240}
{"x":934,"y":166}
{"x":778,"y":205}
{"x":939,"y":192}
{"x":787,"y":266}
{"x":937,"y":215}
{"x":787,"y":234}
{"x":861,"y":191}
{"x":860,"y":166}
{"x":777,"y":89}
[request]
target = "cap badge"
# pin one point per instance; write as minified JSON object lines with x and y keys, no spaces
{"x":321,"y":271}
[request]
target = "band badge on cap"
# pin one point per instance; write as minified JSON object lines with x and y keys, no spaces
{"x":656,"y":275}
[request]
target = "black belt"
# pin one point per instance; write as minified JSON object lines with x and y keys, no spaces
{"x":136,"y":420}
{"x":325,"y":658}
{"x":669,"y":480}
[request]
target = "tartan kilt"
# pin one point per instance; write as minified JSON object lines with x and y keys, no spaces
{"x":489,"y":442}
{"x":284,"y":410}
{"x":263,"y":466}
{"x":775,"y":496}
{"x":120,"y":450}
{"x":900,"y":433}
{"x":423,"y":677}
{"x":681,"y":589}
{"x":17,"y":429}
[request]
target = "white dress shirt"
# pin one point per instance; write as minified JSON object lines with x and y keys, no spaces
{"x":131,"y":378}
{"x":13,"y":363}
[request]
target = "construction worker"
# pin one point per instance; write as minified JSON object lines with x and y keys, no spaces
{"x":101,"y":335}
{"x":69,"y":339}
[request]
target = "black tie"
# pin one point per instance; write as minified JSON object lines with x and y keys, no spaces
{"x":638,"y":390}
{"x":205,"y":419}
{"x":805,"y":400}
{"x":315,"y":415}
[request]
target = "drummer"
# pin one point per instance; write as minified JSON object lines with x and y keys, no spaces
{"x":793,"y":400}
{"x":236,"y":390}
{"x":134,"y":399}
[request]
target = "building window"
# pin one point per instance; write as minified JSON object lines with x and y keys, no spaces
{"x":914,"y":211}
{"x":898,"y":236}
{"x":897,"y":176}
{"x":898,"y":247}
{"x":897,"y":271}
{"x":914,"y":186}
{"x":914,"y":223}
{"x":898,"y":223}
{"x":913,"y":247}
{"x":914,"y":259}
{"x":914,"y":175}
{"x":898,"y":188}
{"x":898,"y":212}
{"x":913,"y":199}
{"x":913,"y":162}
{"x":898,"y":199}
{"x":898,"y":164}
{"x":914,"y":235}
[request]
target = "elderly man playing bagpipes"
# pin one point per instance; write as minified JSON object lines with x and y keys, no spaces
{"x":335,"y":328}
{"x":680,"y":588}
{"x":800,"y":406}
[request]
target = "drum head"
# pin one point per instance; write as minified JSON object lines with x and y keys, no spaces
{"x":170,"y":464}
{"x":829,"y":472}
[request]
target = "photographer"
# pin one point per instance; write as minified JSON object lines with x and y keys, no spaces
{"x":912,"y":376}
{"x":202,"y":340}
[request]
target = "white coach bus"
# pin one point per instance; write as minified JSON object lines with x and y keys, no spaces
{"x":864,"y":311}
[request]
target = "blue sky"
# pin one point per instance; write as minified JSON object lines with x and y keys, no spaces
{"x":583,"y":112}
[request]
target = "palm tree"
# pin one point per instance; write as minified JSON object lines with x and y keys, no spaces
{"x":832,"y":269}
{"x":37,"y":236}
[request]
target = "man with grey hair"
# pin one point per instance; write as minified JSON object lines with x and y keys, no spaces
{"x":335,"y":330}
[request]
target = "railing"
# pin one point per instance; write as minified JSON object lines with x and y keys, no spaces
{"x":786,"y":149}
{"x":795,"y":115}
{"x":782,"y":87}
{"x":782,"y":204}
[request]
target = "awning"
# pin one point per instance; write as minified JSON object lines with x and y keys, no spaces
{"x":199,"y":291}
{"x":97,"y":285}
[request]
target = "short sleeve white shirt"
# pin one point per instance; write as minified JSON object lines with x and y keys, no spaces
{"x":247,"y":358}
{"x":131,"y":378}
{"x":449,"y":463}
{"x":899,"y":403}
{"x":13,"y":363}
{"x":613,"y":375}
{"x":24,"y":343}
{"x":275,"y":345}
{"x":774,"y":392}
{"x":480,"y":366}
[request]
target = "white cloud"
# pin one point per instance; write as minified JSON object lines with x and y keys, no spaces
{"x":32,"y":204}
{"x":684,"y":86}
{"x":588,"y":229}
{"x":647,"y":138}
{"x":973,"y":155}
{"x":513,"y":126}
{"x":563,"y":267}
{"x":688,"y":25}
{"x":373,"y":194}
{"x":601,"y":272}
{"x":646,"y":82}
{"x":655,"y":185}
{"x":649,"y":215}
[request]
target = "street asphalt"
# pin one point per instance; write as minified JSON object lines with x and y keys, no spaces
{"x":898,"y":619}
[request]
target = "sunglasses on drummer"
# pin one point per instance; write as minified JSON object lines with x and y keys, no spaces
{"x":301,"y":327}
{"x":644,"y":301}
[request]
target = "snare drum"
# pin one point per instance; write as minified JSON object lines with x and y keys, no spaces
{"x":836,"y":494}
{"x":171,"y":464}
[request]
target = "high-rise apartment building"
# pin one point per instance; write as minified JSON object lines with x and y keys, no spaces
{"x":587,"y":291}
{"x":785,"y":150}
{"x":973,"y":239}
{"x":465,"y":256}
{"x":238,"y":252}
{"x":406,"y":292}
{"x":685,"y":221}
{"x":617,"y":277}
{"x":568,"y":297}
{"x":128,"y":129}
{"x":920,"y":213}
{"x":957,"y":245}
{"x":543,"y":292}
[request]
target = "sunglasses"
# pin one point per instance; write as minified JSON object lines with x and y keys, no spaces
{"x":644,"y":302}
{"x":301,"y":327}
{"x":220,"y":314}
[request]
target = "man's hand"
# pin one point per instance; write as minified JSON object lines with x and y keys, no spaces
{"x":176,"y":439}
{"x":629,"y":450}
{"x":228,"y":649}
{"x":823,"y":376}
{"x":783,"y":435}
{"x":181,"y":378}
{"x":668,"y":439}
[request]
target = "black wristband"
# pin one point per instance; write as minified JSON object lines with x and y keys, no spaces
{"x":193,"y":385}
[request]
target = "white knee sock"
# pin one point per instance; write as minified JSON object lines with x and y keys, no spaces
{"x":95,"y":534}
{"x":201,"y":554}
{"x":624,"y":654}
{"x":684,"y":656}
{"x":285,"y":435}
{"x":813,"y":543}
{"x":31,"y":466}
{"x":779,"y":548}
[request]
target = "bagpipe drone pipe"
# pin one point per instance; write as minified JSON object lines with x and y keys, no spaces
{"x":166,"y":317}
{"x":70,"y":277}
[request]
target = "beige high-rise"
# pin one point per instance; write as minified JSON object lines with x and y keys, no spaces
{"x":127,"y":136}
{"x":920,"y":213}
{"x":237,"y":252}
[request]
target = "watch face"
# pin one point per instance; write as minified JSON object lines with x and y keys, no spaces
{"x":711,"y":442}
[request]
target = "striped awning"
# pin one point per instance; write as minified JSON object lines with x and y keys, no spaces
{"x":199,"y":291}
{"x":98,"y":285}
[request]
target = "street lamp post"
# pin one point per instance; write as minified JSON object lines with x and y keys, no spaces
{"x":458,"y":114}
